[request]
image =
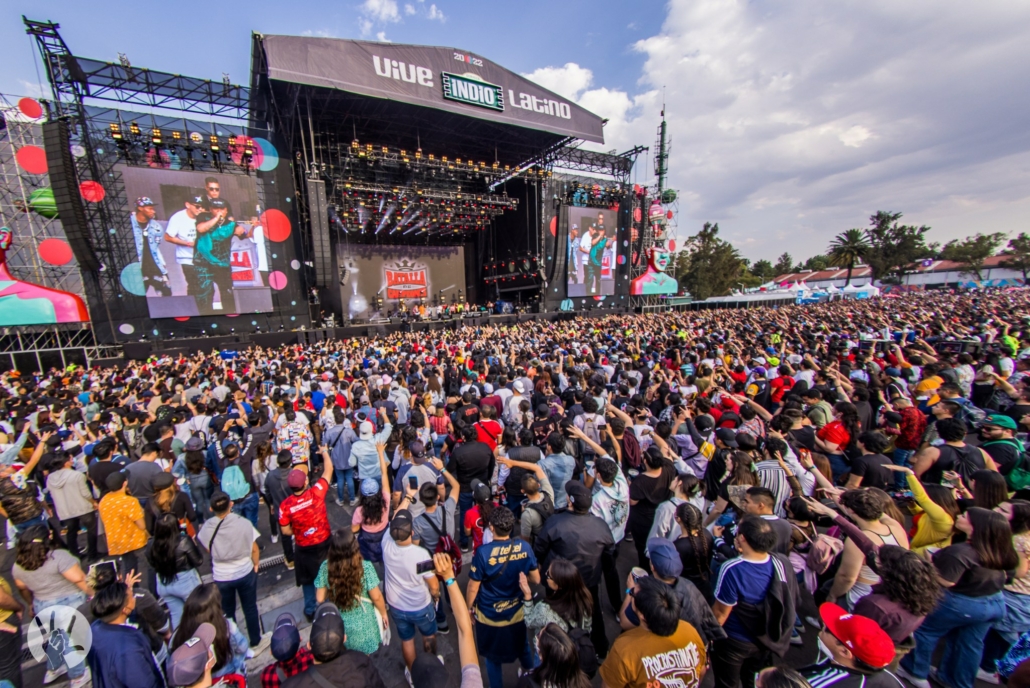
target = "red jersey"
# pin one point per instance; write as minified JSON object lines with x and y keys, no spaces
{"x":489,"y":431}
{"x":306,"y":515}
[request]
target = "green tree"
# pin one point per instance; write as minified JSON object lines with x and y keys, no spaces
{"x":848,"y":248}
{"x":784,"y":264}
{"x":972,"y":252}
{"x":893,"y":247}
{"x":817,"y":263}
{"x":713,"y":266}
{"x":1018,"y":254}
{"x":763,"y":270}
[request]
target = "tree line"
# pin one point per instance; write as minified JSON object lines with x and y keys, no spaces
{"x":711,"y":266}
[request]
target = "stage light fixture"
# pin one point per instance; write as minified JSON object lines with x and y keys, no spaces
{"x":443,"y":158}
{"x":155,"y":136}
{"x":116,"y":132}
{"x":134,"y":129}
{"x":232,"y":141}
{"x":418,"y":154}
{"x":214,"y":143}
{"x":176,"y":136}
{"x":354,"y":144}
{"x":368,"y":147}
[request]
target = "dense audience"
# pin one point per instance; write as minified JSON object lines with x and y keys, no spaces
{"x":633,"y":500}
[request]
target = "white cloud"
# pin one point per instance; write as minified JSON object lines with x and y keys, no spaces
{"x":435,"y":13}
{"x":409,"y":10}
{"x":319,"y":33}
{"x":365,"y":26}
{"x":794,"y":121}
{"x":381,"y":10}
{"x":381,"y":37}
{"x":30,"y":89}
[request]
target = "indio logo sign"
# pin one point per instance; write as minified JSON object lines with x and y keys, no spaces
{"x":472,"y":91}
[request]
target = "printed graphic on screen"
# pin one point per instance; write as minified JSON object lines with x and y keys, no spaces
{"x":398,"y":280}
{"x":592,"y":251}
{"x":201,"y":245}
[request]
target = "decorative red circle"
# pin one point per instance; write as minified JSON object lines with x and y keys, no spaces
{"x":32,"y":159}
{"x":92,"y":192}
{"x":554,"y":226}
{"x":30,"y":107}
{"x":55,"y":251}
{"x":669,"y":214}
{"x":637,"y":214}
{"x":672,"y":244}
{"x":277,"y":225}
{"x":183,"y":319}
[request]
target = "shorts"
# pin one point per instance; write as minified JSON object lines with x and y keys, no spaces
{"x":406,"y":622}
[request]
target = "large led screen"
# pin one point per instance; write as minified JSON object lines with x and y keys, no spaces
{"x":201,"y":242}
{"x":412,"y":276}
{"x":592,"y":250}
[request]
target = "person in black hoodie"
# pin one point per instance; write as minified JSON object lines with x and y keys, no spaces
{"x":278,"y":490}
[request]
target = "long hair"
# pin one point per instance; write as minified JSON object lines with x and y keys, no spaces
{"x":989,"y":489}
{"x":261,"y":454}
{"x":890,"y":508}
{"x":372,"y":507}
{"x":1020,"y":520}
{"x":345,"y":569}
{"x":849,"y":419}
{"x":992,"y":539}
{"x":162,"y":550}
{"x":743,"y":469}
{"x":204,"y":604}
{"x":572,"y":600}
{"x":943,"y":497}
{"x":163,"y":499}
{"x":559,"y":660}
{"x":692,"y":527}
{"x":908,"y":579}
{"x":34,"y":546}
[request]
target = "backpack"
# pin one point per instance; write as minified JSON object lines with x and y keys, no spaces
{"x":590,"y":429}
{"x":970,"y":415}
{"x":730,"y":417}
{"x":545,"y":507}
{"x":707,"y":449}
{"x":822,"y":551}
{"x":234,"y":483}
{"x":446,"y":545}
{"x":632,"y":457}
{"x":1019,"y":477}
{"x":587,"y":653}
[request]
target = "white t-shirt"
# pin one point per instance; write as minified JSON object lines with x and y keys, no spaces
{"x":230,"y":559}
{"x":182,"y":226}
{"x":405,"y":589}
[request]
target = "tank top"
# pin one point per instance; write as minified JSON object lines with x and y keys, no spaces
{"x":861,"y":589}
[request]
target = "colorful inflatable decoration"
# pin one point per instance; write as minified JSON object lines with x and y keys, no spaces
{"x":655,"y":281}
{"x":24,"y":303}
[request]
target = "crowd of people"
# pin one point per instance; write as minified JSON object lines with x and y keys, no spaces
{"x":717,"y":485}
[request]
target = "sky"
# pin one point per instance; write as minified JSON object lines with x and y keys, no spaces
{"x":790,"y":122}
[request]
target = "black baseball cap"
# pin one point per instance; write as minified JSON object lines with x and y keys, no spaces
{"x":197,"y":197}
{"x":728,"y":437}
{"x":401,"y":525}
{"x":579,"y":495}
{"x":285,"y":637}
{"x":327,"y":633}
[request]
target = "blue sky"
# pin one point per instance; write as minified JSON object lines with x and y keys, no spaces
{"x":790,"y":122}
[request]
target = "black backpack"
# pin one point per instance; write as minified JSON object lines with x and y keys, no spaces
{"x":545,"y":507}
{"x":587,"y":653}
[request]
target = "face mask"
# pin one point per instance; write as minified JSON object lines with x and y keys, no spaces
{"x":823,"y":651}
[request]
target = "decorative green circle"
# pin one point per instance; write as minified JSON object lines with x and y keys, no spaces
{"x":132,"y":279}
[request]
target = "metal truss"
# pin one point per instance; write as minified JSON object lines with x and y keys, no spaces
{"x":76,"y":78}
{"x":28,"y":227}
{"x":576,"y":159}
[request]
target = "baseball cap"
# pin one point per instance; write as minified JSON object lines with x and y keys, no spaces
{"x":480,"y":490}
{"x":728,"y":437}
{"x":664,"y":558}
{"x":365,"y":430}
{"x":1000,"y":421}
{"x":863,"y":636}
{"x":216,"y":203}
{"x":429,"y":672}
{"x":162,"y":481}
{"x":285,"y":637}
{"x":187,"y":664}
{"x":197,"y":197}
{"x":893,"y":372}
{"x":400,"y":526}
{"x":296,"y":479}
{"x":579,"y":495}
{"x":519,"y":387}
{"x":488,"y":388}
{"x":418,"y":452}
{"x":194,"y":444}
{"x":369,"y":486}
{"x":143,"y":201}
{"x":327,"y":632}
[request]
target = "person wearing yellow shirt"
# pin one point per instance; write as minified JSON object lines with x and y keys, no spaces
{"x":124,"y":524}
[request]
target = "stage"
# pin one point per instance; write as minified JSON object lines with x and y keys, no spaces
{"x":141,"y":351}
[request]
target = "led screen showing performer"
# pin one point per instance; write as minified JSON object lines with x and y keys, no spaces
{"x":592,"y":251}
{"x":201,"y":244}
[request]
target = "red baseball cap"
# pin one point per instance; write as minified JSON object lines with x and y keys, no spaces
{"x":863,"y":636}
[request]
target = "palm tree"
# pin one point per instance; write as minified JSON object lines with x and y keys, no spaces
{"x":847,"y":248}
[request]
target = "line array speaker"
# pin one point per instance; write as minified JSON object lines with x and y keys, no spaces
{"x":321,"y":244}
{"x":65,"y":185}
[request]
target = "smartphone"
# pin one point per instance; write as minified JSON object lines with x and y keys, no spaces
{"x":413,"y":482}
{"x":108,"y":564}
{"x":424,"y":566}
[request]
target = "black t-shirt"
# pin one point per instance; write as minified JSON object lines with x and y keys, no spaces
{"x":471,"y":460}
{"x":98,"y":473}
{"x":467,"y":414}
{"x":1004,"y":452}
{"x":805,"y":437}
{"x":960,"y":564}
{"x":871,"y":469}
{"x":648,"y":492}
{"x":1017,"y":411}
{"x":964,"y":460}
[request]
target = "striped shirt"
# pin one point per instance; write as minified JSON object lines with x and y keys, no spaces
{"x":829,"y":674}
{"x":774,"y":478}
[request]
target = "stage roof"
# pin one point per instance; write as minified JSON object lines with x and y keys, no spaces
{"x":447,"y":79}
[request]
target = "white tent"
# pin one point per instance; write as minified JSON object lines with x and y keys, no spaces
{"x":832,"y":290}
{"x":851,"y":289}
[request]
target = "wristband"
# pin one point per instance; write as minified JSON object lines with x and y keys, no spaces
{"x":449,"y":581}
